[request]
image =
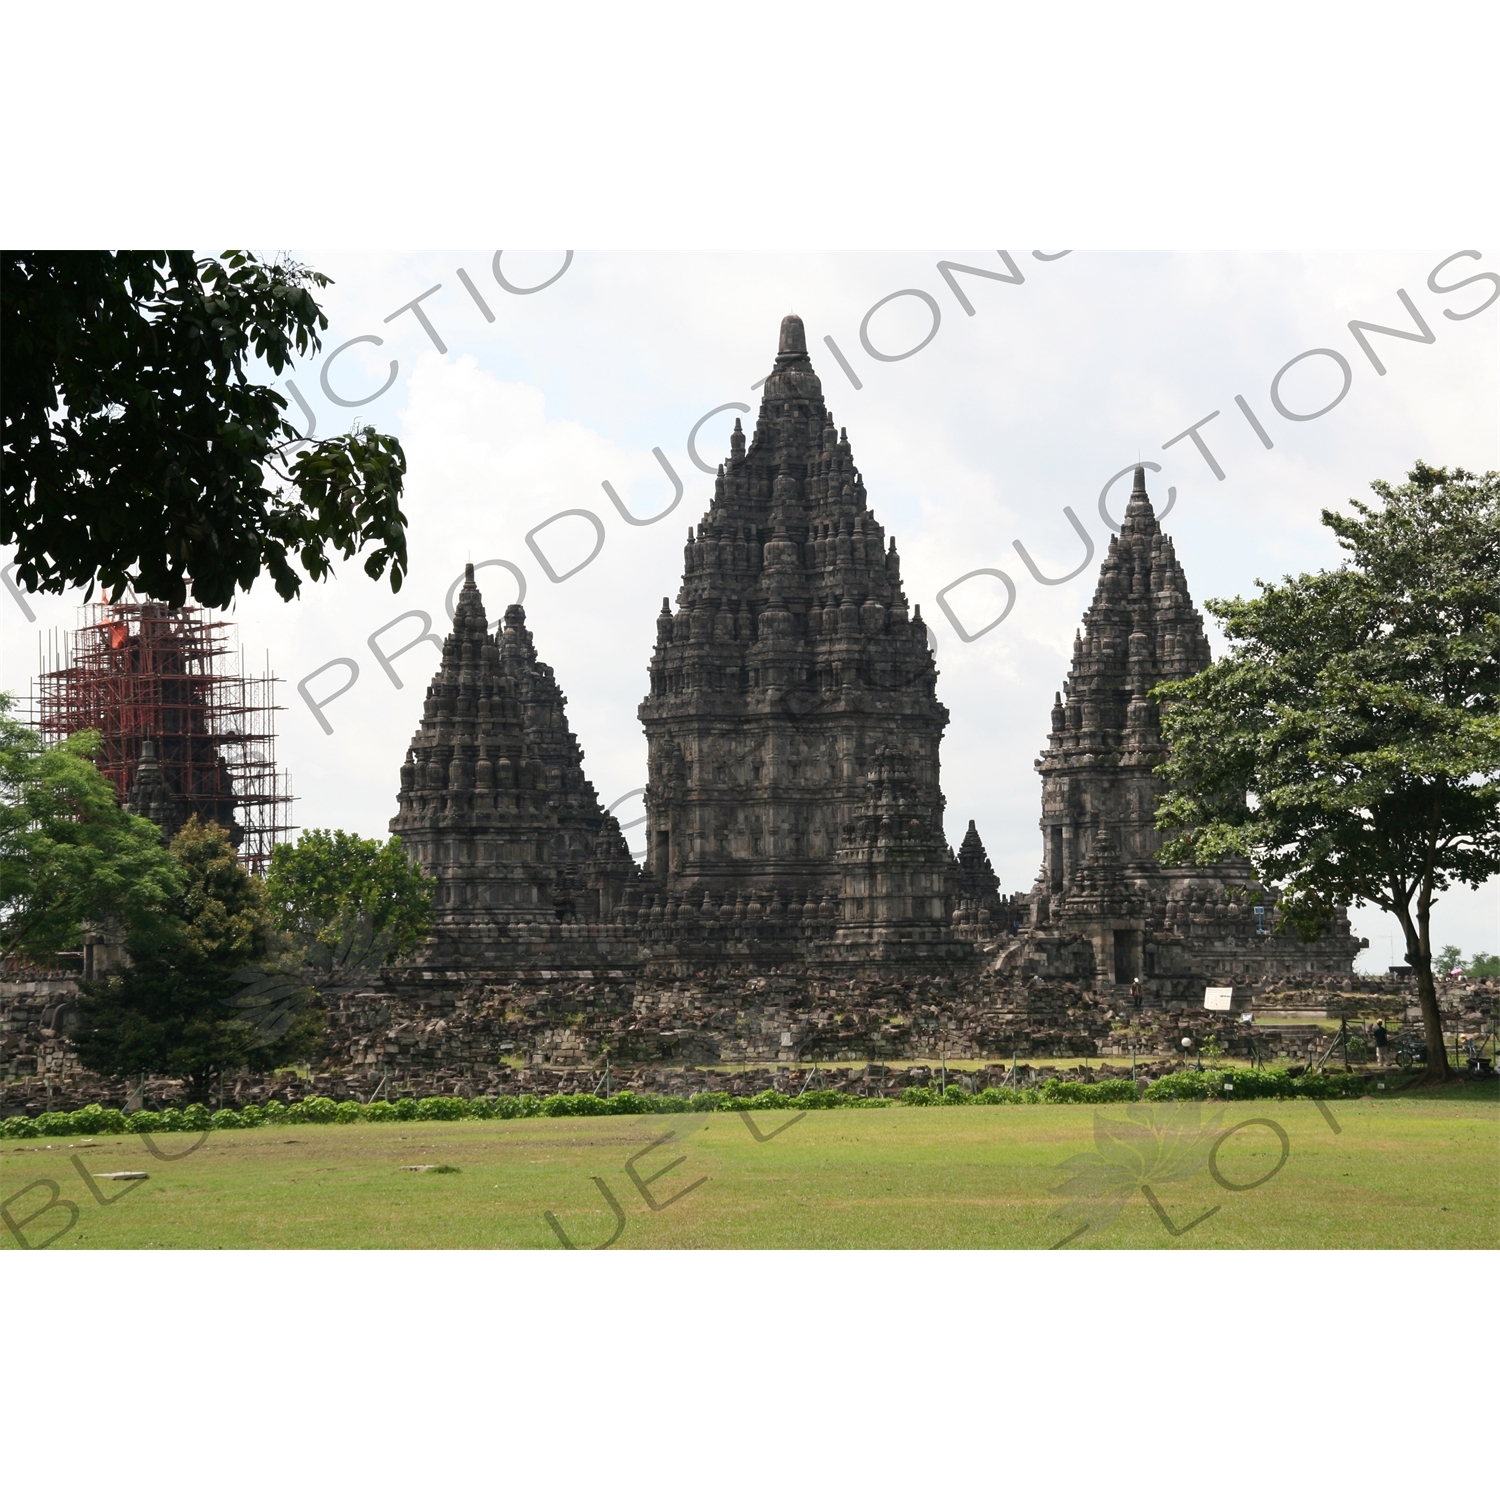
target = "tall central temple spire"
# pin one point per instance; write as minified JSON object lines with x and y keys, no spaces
{"x":788,"y":662}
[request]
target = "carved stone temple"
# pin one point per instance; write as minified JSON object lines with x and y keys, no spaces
{"x":794,"y":807}
{"x":494,"y":804}
{"x":793,"y":700}
{"x":1104,"y":911}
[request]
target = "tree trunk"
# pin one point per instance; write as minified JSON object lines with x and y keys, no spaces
{"x":1438,"y":1070}
{"x":1432,"y":1021}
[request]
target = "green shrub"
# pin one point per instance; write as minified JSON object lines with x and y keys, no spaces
{"x":1328,"y":1086}
{"x":481,"y":1107}
{"x":225,"y":1119}
{"x":559,"y":1106}
{"x":1247,"y":1083}
{"x":671,"y":1104}
{"x":710,"y":1100}
{"x":273,"y":1112}
{"x":19,"y":1128}
{"x":955,"y":1094}
{"x":406,"y":1109}
{"x":196,"y":1117}
{"x":95,"y":1119}
{"x":317,"y":1110}
{"x":1187,"y":1083}
{"x":820,"y":1099}
{"x":1258,"y":1083}
{"x":767,"y":1099}
{"x":919,"y":1096}
{"x":252,"y":1116}
{"x":626,"y":1102}
{"x":1067,"y":1091}
{"x":442,"y":1107}
{"x":144,"y":1122}
{"x":1001,"y":1096}
{"x":381,"y":1109}
{"x":348,"y":1112}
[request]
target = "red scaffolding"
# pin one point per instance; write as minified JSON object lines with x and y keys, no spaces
{"x":138,"y":671}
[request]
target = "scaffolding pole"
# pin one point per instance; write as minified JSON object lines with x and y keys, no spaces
{"x":138,"y":671}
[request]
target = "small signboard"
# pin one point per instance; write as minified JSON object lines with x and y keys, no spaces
{"x":1218,"y":999}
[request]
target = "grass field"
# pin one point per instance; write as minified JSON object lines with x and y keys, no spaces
{"x":1416,"y":1171}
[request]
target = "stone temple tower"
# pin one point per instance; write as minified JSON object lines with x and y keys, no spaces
{"x":789,"y":663}
{"x":1098,"y":768}
{"x":1104,"y":910}
{"x":530,"y":870}
{"x":586,"y":849}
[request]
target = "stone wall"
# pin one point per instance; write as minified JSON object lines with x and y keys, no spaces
{"x":546,"y":1033}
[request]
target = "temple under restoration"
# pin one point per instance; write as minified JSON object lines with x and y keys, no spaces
{"x":794,"y":802}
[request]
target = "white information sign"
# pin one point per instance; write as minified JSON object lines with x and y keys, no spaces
{"x":1218,"y":999}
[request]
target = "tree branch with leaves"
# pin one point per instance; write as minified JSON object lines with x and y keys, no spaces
{"x":138,"y":452}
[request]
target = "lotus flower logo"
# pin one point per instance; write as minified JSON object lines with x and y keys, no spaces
{"x":1153,"y":1145}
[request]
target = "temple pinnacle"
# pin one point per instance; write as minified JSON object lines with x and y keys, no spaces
{"x":793,"y":336}
{"x":1139,"y":509}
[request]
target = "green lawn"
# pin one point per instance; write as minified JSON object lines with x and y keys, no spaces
{"x":1405,"y":1172}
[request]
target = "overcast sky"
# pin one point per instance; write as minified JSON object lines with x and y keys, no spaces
{"x":1059,"y":378}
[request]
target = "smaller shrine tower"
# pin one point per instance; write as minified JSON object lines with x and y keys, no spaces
{"x":1104,"y":910}
{"x":495,"y":806}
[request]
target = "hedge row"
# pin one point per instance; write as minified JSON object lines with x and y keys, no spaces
{"x":97,"y":1120}
{"x":1237,"y":1083}
{"x":1259,"y":1083}
{"x":1242,"y":1083}
{"x":1054,"y":1091}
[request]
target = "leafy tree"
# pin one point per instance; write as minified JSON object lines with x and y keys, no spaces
{"x":1484,"y":966}
{"x":1448,"y":956}
{"x":70,"y":855}
{"x":330,"y":885}
{"x":193,"y":1001}
{"x":1349,"y":743}
{"x":138,"y":453}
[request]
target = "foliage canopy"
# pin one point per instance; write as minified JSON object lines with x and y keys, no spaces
{"x":179,"y":1008}
{"x":70,"y":855}
{"x":331,"y":883}
{"x":138,"y":452}
{"x":1349,"y":743}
